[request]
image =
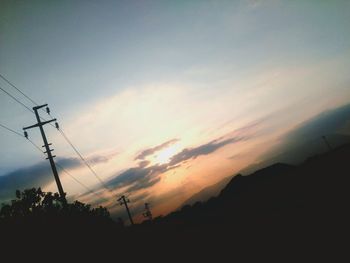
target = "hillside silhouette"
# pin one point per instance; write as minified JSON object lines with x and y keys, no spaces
{"x":207,"y":192}
{"x":281,"y":208}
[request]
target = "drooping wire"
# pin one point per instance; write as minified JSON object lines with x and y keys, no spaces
{"x":17,"y":133}
{"x":9,"y":129}
{"x":60,"y":130}
{"x":18,"y":101}
{"x":57,"y":164}
{"x":84,"y":160}
{"x":36,"y":146}
{"x":14,"y":86}
{"x":79,"y":182}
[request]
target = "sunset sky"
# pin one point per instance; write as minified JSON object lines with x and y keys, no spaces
{"x":164,"y":98}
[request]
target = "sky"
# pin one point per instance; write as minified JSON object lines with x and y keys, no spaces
{"x":164,"y":98}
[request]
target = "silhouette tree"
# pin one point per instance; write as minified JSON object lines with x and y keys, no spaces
{"x":33,"y":206}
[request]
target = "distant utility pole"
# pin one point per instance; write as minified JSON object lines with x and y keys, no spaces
{"x":148,"y":213}
{"x":327,"y":143}
{"x":50,"y":157}
{"x":124,"y":201}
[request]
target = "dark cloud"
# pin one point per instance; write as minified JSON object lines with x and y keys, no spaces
{"x":143,"y":183}
{"x":328,"y":122}
{"x":101,"y":158}
{"x":139,"y":198}
{"x":157,"y":148}
{"x":144,"y":176}
{"x":144,"y":163}
{"x":205,"y":149}
{"x":37,"y":175}
{"x":98,"y":159}
{"x":134,"y":180}
{"x":138,"y":177}
{"x":306,"y":139}
{"x":32,"y":176}
{"x":69,"y":163}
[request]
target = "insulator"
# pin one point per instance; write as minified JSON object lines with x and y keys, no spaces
{"x":48,"y":110}
{"x":26,"y":134}
{"x":57,"y":126}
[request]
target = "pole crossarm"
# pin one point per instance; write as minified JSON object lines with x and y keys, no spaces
{"x":39,"y":107}
{"x":38,"y":124}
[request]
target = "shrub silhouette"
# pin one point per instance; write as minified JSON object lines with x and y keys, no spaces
{"x":34,"y":209}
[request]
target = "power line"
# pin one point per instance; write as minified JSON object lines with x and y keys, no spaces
{"x":14,"y":86}
{"x":17,"y":100}
{"x":79,"y":182}
{"x":60,"y":166}
{"x":17,"y":133}
{"x":84,"y":160}
{"x":60,"y":130}
{"x":36,"y":146}
{"x":9,"y":129}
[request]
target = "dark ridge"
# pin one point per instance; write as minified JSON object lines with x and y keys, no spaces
{"x":281,"y":210}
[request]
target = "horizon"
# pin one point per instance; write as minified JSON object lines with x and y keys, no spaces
{"x":164,"y":99}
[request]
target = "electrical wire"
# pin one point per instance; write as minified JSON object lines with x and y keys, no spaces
{"x":17,"y":133}
{"x":18,"y":101}
{"x":79,"y":182}
{"x":60,"y":130}
{"x":84,"y":160}
{"x":57,"y":164}
{"x":14,"y":86}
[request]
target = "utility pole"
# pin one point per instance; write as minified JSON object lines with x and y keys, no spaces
{"x":327,"y":143}
{"x":50,"y":157}
{"x":124,"y":201}
{"x":148,"y":213}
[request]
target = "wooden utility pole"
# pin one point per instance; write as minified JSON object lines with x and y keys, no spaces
{"x":148,"y":213}
{"x":124,"y":201}
{"x":50,"y":157}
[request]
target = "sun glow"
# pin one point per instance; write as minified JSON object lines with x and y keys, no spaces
{"x":165,"y":155}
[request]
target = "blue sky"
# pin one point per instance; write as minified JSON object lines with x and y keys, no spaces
{"x":126,"y":76}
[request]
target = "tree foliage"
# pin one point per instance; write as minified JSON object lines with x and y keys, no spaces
{"x":34,"y":205}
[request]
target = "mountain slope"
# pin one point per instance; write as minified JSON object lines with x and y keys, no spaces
{"x":208,"y":192}
{"x":278,"y":194}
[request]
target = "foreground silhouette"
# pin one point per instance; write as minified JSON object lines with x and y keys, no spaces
{"x":279,"y":210}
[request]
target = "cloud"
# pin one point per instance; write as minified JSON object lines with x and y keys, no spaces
{"x":205,"y":149}
{"x":241,"y":134}
{"x":328,"y":122}
{"x":306,"y":140}
{"x":38,"y":175}
{"x":138,"y":177}
{"x":143,"y":176}
{"x":144,"y":163}
{"x":136,"y":181}
{"x":69,"y":163}
{"x":157,"y":148}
